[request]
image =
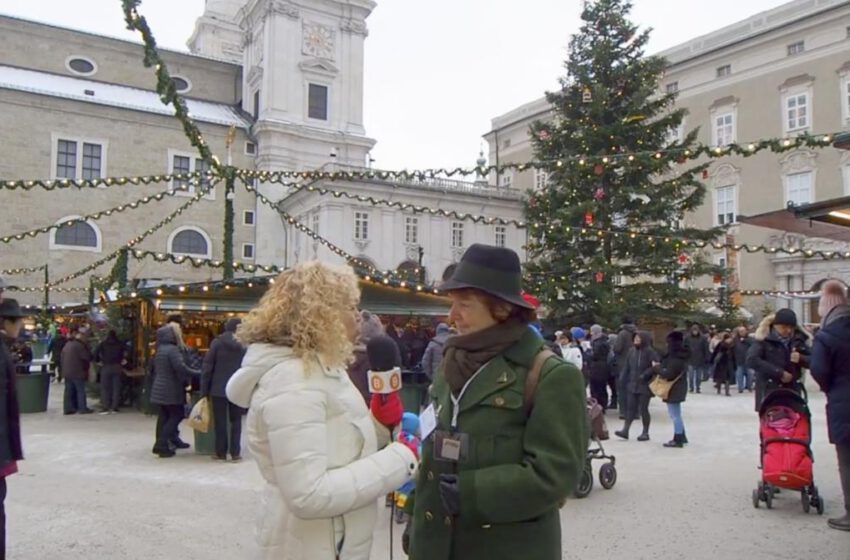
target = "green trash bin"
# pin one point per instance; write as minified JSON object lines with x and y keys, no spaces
{"x":39,"y":348}
{"x":33,"y":390}
{"x":204,"y":442}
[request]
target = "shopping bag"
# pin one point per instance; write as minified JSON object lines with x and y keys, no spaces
{"x":200,"y":418}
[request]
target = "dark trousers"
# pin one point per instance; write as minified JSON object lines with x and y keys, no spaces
{"x":110,"y":387}
{"x":75,"y":396}
{"x":638,"y":403}
{"x":614,"y":401}
{"x":2,"y":519}
{"x":622,"y":392}
{"x":168,"y":425}
{"x":843,"y":450}
{"x":599,"y":391}
{"x":223,"y":409}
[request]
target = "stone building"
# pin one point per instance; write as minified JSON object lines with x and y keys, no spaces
{"x":777,"y":74}
{"x":282,"y":79}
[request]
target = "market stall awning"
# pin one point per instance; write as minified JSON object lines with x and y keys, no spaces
{"x":211,"y":304}
{"x":829,"y":219}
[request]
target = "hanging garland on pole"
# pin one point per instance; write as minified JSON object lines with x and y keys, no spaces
{"x":17,"y":271}
{"x":79,"y":184}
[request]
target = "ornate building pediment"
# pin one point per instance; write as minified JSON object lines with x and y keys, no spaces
{"x":320,"y":67}
{"x":798,"y":161}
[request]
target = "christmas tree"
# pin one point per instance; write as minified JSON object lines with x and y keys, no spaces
{"x":605,"y":233}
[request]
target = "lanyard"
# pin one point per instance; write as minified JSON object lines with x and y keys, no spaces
{"x":456,"y":400}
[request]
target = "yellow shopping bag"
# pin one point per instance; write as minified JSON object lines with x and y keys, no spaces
{"x":200,"y":419}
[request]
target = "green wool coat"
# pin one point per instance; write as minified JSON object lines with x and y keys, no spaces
{"x":519,"y":468}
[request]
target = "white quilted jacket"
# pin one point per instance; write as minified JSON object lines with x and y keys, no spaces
{"x":316,"y":445}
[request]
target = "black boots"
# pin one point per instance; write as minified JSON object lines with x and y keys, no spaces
{"x":679,"y":440}
{"x":840,"y":523}
{"x":643,"y":437}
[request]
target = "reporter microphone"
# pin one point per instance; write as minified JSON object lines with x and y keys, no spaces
{"x":384,"y":365}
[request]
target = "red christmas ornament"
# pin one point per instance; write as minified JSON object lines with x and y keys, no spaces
{"x":684,"y":259}
{"x":600,"y":277}
{"x":599,"y":169}
{"x":588,"y":219}
{"x":599,"y":195}
{"x":544,"y":135}
{"x":705,"y":173}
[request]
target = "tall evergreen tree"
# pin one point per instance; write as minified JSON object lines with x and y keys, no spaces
{"x":613,"y":166}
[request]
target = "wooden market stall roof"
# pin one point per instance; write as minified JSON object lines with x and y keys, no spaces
{"x":829,"y":219}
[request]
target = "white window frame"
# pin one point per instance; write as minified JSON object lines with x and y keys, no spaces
{"x":457,"y":235}
{"x":81,"y":57}
{"x":411,"y":225}
{"x":541,"y":179}
{"x":506,"y":179}
{"x":55,"y":137}
{"x":316,"y":223}
{"x":317,"y":82}
{"x":193,"y":160}
{"x":500,"y":232}
{"x":723,"y":113}
{"x":250,"y":154}
{"x":671,"y":87}
{"x":797,"y":47}
{"x":845,"y":97}
{"x":361,"y":219}
{"x":787,"y":179}
{"x":253,"y":252}
{"x":185,"y":79}
{"x":54,"y":246}
{"x":716,"y":207}
{"x":253,"y":221}
{"x":795,"y":93}
{"x":177,"y":231}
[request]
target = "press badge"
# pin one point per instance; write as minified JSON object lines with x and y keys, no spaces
{"x":451,"y":447}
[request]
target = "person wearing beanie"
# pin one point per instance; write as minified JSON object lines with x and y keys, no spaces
{"x":221,"y":362}
{"x":433,"y":356}
{"x":779,"y":354}
{"x":622,"y":346}
{"x":600,"y":366}
{"x":830,"y":356}
{"x":370,"y":327}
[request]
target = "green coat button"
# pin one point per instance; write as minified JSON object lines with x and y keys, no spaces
{"x":500,"y":401}
{"x":429,"y":516}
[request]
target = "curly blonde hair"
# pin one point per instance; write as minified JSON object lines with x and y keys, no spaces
{"x":305,"y":309}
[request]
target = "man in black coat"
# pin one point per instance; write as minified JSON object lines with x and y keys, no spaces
{"x":830,"y":357}
{"x":220,"y":363}
{"x":622,"y":346}
{"x":76,"y":362}
{"x":11,"y":321}
{"x":171,"y":376}
{"x":743,"y":376}
{"x":699,"y":356}
{"x":779,"y":354}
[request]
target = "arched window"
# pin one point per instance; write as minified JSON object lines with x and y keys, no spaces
{"x":189,"y":241}
{"x":77,"y":236}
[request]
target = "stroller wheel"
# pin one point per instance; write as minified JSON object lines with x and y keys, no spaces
{"x":806,"y":499}
{"x":585,"y":483}
{"x":607,"y":476}
{"x":756,"y":499}
{"x":768,"y":497}
{"x":819,"y":504}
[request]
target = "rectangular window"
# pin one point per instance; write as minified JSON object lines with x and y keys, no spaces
{"x":797,"y":111}
{"x":250,"y":148}
{"x":181,"y":165}
{"x":361,"y":226}
{"x":799,"y":188}
{"x":257,"y":105}
{"x":672,"y":87}
{"x":506,"y":143}
{"x":91,"y":161}
{"x":314,"y":224}
{"x":796,"y":48}
{"x":202,"y":167}
{"x":317,"y":103}
{"x":726,"y":205}
{"x":248,"y":218}
{"x":501,"y":236}
{"x":541,"y":179}
{"x":247,"y":250}
{"x":723,"y":71}
{"x":457,"y":234}
{"x":724,"y":129}
{"x":411,"y":230}
{"x":66,"y":159}
{"x":506,"y":179}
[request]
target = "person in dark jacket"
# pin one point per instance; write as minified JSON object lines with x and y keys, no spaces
{"x":433,"y":356}
{"x":599,"y":367}
{"x":23,"y":355}
{"x":76,"y":362}
{"x":220,"y":363}
{"x":171,"y":375}
{"x":743,"y":376}
{"x":674,"y":367}
{"x":55,"y":351}
{"x":111,"y":354}
{"x":639,"y":370}
{"x":723,"y":363}
{"x":11,"y":450}
{"x":779,"y":354}
{"x":699,"y":357}
{"x":830,"y":356}
{"x":622,"y":347}
{"x":358,"y":370}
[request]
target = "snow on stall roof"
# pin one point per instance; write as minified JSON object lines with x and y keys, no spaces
{"x":124,"y":97}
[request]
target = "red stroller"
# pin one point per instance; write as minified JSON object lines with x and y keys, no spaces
{"x":786,"y":454}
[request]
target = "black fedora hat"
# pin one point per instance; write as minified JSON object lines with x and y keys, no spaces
{"x":494,"y":270}
{"x":9,"y":309}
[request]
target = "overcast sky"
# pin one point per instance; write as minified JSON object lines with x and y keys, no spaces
{"x":437,"y":71}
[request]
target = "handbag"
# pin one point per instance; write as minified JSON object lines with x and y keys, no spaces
{"x":660,"y":387}
{"x":200,"y":418}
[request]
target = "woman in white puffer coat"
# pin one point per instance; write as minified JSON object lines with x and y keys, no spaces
{"x":324,"y":457}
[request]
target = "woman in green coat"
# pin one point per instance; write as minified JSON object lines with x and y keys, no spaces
{"x":505,"y":453}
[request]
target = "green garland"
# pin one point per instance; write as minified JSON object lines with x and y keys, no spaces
{"x":58,"y":184}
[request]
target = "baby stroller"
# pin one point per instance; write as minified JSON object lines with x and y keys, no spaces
{"x":598,"y":433}
{"x":785,"y":433}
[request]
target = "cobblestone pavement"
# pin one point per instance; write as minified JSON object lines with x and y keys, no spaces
{"x":90,"y":488}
